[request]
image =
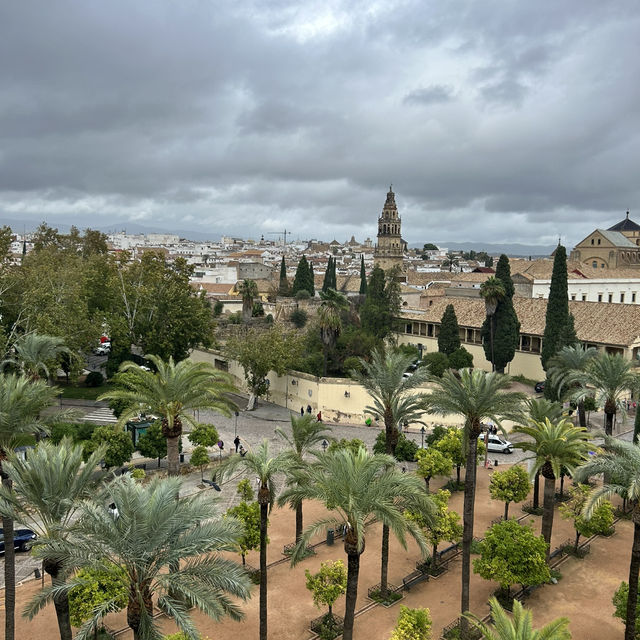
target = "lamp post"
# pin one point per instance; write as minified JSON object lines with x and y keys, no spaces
{"x":235,"y":429}
{"x":325,"y":444}
{"x":422,"y":432}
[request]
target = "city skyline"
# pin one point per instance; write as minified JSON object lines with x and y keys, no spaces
{"x":495,"y":123}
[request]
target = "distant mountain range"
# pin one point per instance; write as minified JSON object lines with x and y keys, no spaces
{"x":511,"y":249}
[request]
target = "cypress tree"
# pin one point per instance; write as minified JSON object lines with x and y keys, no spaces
{"x":381,"y":305}
{"x":311,"y":280}
{"x":506,"y":334}
{"x":301,"y":280}
{"x":326,"y":283}
{"x":334,"y":279}
{"x":283,"y":285}
{"x":449,"y":336}
{"x":636,"y":425}
{"x":363,"y":276}
{"x":559,"y":329}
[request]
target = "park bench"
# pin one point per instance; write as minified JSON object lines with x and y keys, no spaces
{"x":448,"y":553}
{"x":414,"y":578}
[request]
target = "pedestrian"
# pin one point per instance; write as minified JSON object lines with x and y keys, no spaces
{"x":302,"y":411}
{"x":308,"y":408}
{"x":237,"y":442}
{"x":243,"y":451}
{"x":319,"y":416}
{"x":113,"y":511}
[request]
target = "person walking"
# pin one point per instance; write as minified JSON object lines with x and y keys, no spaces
{"x":302,"y":412}
{"x":236,"y":442}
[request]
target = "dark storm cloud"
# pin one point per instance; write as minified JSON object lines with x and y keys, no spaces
{"x":495,"y":121}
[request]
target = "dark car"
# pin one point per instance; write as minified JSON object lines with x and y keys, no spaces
{"x":22,"y":539}
{"x":539,"y":387}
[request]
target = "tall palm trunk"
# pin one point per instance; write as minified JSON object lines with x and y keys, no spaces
{"x":299,"y":524}
{"x":391,"y":441}
{"x":548,"y":505}
{"x":491,"y":327}
{"x":61,"y":601}
{"x":467,"y":528}
{"x":634,"y":570}
{"x":9,"y":566}
{"x":608,"y":424}
{"x":263,"y":500}
{"x":353,"y":569}
{"x":134,"y":610}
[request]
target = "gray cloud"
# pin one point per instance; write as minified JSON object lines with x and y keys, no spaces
{"x":246,"y":117}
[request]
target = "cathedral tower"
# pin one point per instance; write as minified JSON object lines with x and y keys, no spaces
{"x":389,"y":250}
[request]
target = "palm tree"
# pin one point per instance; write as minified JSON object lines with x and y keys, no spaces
{"x":395,"y":402}
{"x":173,"y":392}
{"x":557,"y":447}
{"x":611,"y":377}
{"x":33,"y":352}
{"x":451,"y":261}
{"x":520,"y":626}
{"x":537,"y":410}
{"x":477,"y":396}
{"x":333,"y":302}
{"x":265,"y":467}
{"x":47,"y":490}
{"x":360,"y":489}
{"x":21,"y":401}
{"x":492,"y":291}
{"x":155,"y":529}
{"x":249,"y":292}
{"x":306,"y":434}
{"x":619,"y":461}
{"x":569,"y":360}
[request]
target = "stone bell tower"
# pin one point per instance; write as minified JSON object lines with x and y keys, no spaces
{"x":390,"y":247}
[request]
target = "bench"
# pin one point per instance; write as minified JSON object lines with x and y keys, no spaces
{"x":556,"y":552}
{"x":413,"y":579}
{"x":449,"y":552}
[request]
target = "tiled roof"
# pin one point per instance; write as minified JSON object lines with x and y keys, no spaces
{"x":594,"y":321}
{"x":616,"y":238}
{"x":625,"y":225}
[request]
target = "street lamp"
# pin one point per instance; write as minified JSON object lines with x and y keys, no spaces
{"x":422,"y":432}
{"x":235,"y":429}
{"x":325,"y":444}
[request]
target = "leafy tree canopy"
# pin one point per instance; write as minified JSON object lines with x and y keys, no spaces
{"x":413,"y":624}
{"x":205,"y":435}
{"x":119,"y":446}
{"x":327,"y":584}
{"x":406,"y":449}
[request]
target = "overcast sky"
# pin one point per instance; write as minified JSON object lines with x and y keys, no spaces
{"x":496,"y":120}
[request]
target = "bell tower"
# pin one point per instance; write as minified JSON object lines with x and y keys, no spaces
{"x":389,"y":249}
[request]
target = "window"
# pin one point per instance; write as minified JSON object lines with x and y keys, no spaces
{"x":592,"y":240}
{"x":599,"y":297}
{"x":594,"y":264}
{"x":622,"y":297}
{"x":525,"y":343}
{"x":633,"y":297}
{"x":573,"y":296}
{"x":407,"y":328}
{"x":423,"y":329}
{"x":611,"y":297}
{"x":584,"y":297}
{"x":598,"y":240}
{"x":430,"y":330}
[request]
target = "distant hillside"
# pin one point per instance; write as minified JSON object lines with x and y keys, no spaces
{"x":511,"y":249}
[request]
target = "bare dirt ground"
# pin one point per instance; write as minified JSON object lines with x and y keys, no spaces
{"x":583,"y":594}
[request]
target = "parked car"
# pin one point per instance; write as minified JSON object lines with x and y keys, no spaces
{"x":103,"y":349}
{"x":496,"y":444}
{"x":539,"y":387}
{"x":22,"y":539}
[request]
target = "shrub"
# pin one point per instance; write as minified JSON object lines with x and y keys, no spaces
{"x":258,"y":310}
{"x":413,"y":624}
{"x":94,"y":379}
{"x":437,"y":362}
{"x":299,"y":318}
{"x":217,"y":308}
{"x":352,"y":363}
{"x":235,"y":318}
{"x":405,"y":449}
{"x":460,"y":359}
{"x":303,"y":294}
{"x":77,"y":431}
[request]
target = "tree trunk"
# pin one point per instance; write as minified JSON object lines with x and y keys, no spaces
{"x":325,"y":357}
{"x":561,"y":486}
{"x":434,"y":558}
{"x":548,"y":506}
{"x":536,"y":490}
{"x":506,"y":510}
{"x":173,"y":456}
{"x":384,"y":565}
{"x":299,"y":525}
{"x":9,"y":567}
{"x":582,"y":418}
{"x":458,"y":473}
{"x":353,"y":568}
{"x":634,"y":569}
{"x":491,"y":327}
{"x":467,"y":530}
{"x":264,"y":506}
{"x":608,"y":425}
{"x":426,"y":481}
{"x":134,"y":610}
{"x":575,"y":548}
{"x":61,"y":602}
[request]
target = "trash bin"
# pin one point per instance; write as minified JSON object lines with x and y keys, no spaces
{"x":495,"y":462}
{"x":330,"y":537}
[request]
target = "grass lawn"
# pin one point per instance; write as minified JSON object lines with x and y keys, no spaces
{"x":84,"y":393}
